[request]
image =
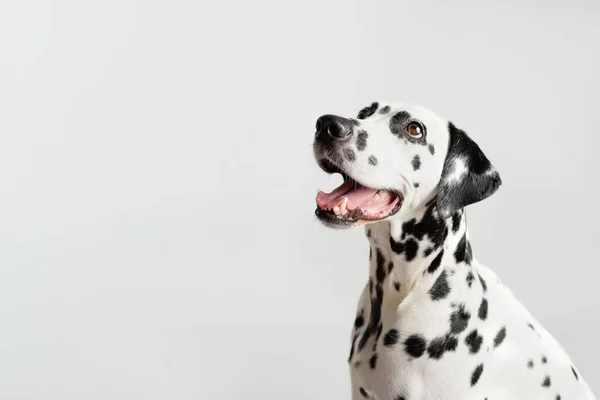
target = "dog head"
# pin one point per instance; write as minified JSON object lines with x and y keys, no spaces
{"x":394,"y":158}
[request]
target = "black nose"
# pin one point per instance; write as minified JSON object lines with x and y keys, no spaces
{"x":337,"y":128}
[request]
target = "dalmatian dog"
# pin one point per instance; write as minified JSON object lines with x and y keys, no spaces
{"x":432,"y":323}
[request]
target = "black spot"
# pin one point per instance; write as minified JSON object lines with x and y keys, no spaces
{"x":415,"y":346}
{"x":500,"y":337}
{"x":416,"y":162}
{"x":409,"y":248}
{"x":380,"y":271}
{"x":558,"y":397}
{"x":530,"y":325}
{"x":370,"y":253}
{"x":469,"y":253}
{"x":385,"y":110}
{"x":431,"y":149}
{"x":574,"y":373}
{"x":435,"y":263}
{"x":359,"y":321}
{"x":544,"y":360}
{"x":438,"y":346}
{"x":476,"y":374}
{"x":459,"y":319}
{"x":430,"y":225}
{"x":440,"y":288}
{"x":470,"y":278}
{"x":363,"y":392}
{"x":361,"y":140}
{"x":408,"y":228}
{"x":397,"y":286}
{"x":474,"y":341}
{"x":546,"y":382}
{"x":352,"y":347}
{"x":373,"y":361}
{"x":483,"y":284}
{"x":368,"y":111}
{"x":483,"y":309}
{"x":349,"y":155}
{"x":530,"y":364}
{"x":412,"y":247}
{"x":461,"y":254}
{"x":376,"y":291}
{"x":456,"y":218}
{"x":397,"y":123}
{"x":379,"y":330}
{"x":416,"y":184}
{"x":428,"y":251}
{"x":373,"y":160}
{"x":397,"y":247}
{"x":368,"y":232}
{"x":391,"y":338}
{"x":390,"y":266}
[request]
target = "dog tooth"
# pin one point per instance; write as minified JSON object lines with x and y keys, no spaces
{"x":336,"y":210}
{"x":344,"y":204}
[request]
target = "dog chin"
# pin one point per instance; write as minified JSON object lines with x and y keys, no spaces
{"x":333,"y":221}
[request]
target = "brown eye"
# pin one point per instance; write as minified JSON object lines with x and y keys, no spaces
{"x":415,"y":130}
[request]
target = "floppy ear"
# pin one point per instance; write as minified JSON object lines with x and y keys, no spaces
{"x":467,"y":176}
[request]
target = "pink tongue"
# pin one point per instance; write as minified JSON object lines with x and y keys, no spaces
{"x":358,"y":197}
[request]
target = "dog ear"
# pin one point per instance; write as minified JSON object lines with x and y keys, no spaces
{"x":467,"y":177}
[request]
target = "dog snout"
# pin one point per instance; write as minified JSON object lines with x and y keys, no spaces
{"x":333,"y":127}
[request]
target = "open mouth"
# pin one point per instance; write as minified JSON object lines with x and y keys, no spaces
{"x":352,"y":201}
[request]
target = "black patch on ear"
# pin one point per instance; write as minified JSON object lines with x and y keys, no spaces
{"x":479,"y":181}
{"x":368,"y":111}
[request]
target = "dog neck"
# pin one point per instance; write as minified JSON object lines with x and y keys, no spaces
{"x":405,"y":248}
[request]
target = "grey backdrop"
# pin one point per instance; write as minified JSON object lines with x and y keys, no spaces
{"x":157,"y":238}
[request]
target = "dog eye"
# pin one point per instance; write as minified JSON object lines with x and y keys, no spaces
{"x":415,"y":129}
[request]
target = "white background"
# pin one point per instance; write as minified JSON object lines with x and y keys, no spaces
{"x":157,"y":238}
